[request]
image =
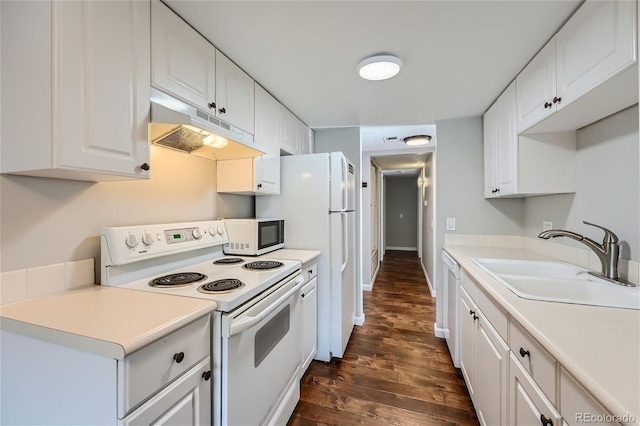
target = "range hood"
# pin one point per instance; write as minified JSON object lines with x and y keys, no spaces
{"x":177,"y":125}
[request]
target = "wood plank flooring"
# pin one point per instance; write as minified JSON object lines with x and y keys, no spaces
{"x":394,"y":371}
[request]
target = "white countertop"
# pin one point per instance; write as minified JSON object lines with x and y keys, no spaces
{"x":303,"y":256}
{"x":108,"y":321}
{"x":599,"y":346}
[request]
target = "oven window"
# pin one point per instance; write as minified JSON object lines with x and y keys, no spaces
{"x":268,"y":336}
{"x":269,"y":234}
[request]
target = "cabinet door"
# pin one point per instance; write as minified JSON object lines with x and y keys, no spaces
{"x":596,"y":43}
{"x":187,"y":401}
{"x":183,"y":62}
{"x":507,"y":145}
{"x":234,"y":94}
{"x":527,"y":404}
{"x":490,"y":152}
{"x":491,"y":366}
{"x":309,"y":295}
{"x":290,"y":134}
{"x":267,"y":166}
{"x":536,"y":88}
{"x":101,"y":86}
{"x":468,"y":319}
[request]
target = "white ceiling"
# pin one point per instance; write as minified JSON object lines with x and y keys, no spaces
{"x":458,"y":55}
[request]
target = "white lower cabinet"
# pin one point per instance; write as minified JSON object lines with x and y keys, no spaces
{"x":166,"y":382}
{"x":484,"y":360}
{"x":528,"y":406}
{"x":578,"y":406}
{"x":309,"y":296}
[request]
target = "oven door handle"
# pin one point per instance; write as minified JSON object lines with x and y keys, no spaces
{"x":247,"y":322}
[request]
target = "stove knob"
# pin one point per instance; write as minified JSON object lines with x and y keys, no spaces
{"x":212,"y":231}
{"x":196,"y":233}
{"x":147,"y":239}
{"x":131,"y":241}
{"x":220,"y":230}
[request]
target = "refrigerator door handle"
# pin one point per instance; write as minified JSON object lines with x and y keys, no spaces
{"x":345,"y":241}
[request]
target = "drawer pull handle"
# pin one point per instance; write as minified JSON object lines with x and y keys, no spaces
{"x":206,"y":375}
{"x":178,"y":357}
{"x":524,"y":353}
{"x":545,"y":421}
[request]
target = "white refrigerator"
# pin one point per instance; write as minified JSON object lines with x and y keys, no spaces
{"x":317,"y":202}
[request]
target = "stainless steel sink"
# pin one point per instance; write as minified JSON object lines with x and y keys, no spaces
{"x":559,"y":282}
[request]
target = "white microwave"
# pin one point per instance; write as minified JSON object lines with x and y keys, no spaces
{"x":254,"y":237}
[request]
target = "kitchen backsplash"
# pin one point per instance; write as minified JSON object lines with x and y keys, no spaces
{"x":23,"y":284}
{"x":628,"y":270}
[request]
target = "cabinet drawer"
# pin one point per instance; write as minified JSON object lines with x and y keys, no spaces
{"x":145,"y":372}
{"x":494,"y":313}
{"x":309,"y":271}
{"x":578,"y":406}
{"x":534,"y":359}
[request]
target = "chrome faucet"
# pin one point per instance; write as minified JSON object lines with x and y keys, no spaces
{"x":608,"y":252}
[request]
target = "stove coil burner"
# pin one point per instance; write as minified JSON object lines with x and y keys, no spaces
{"x":220,"y":286}
{"x":178,"y":280}
{"x":261,"y":265}
{"x":228,"y":261}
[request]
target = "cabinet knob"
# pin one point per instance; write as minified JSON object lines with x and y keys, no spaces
{"x":206,"y":375}
{"x":548,"y":104}
{"x":472,"y":312}
{"x":145,"y":166}
{"x":545,"y":421}
{"x":524,"y":353}
{"x":211,"y":105}
{"x":259,"y":185}
{"x":222,"y":110}
{"x":475,"y":317}
{"x":557,"y":100}
{"x":178,"y":357}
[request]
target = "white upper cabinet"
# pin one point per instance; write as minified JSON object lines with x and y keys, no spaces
{"x":87,"y":84}
{"x":187,"y":66}
{"x":184,"y":63}
{"x":586,"y":72}
{"x":595,"y":44}
{"x":536,"y":88}
{"x":259,"y":175}
{"x":234,"y":94}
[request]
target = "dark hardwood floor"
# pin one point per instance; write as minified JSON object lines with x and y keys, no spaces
{"x":394,"y":371}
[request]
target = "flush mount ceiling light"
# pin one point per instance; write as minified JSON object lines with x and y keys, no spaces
{"x":380,"y":67}
{"x":417,"y":140}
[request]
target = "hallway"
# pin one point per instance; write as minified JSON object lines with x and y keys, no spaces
{"x":395,"y":371}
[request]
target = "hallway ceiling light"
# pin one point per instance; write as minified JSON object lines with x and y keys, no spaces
{"x":379,"y":67}
{"x":417,"y":140}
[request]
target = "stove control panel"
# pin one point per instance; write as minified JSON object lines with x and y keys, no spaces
{"x":130,"y":244}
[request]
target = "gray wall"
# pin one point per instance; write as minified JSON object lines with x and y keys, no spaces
{"x":607,"y":187}
{"x":347,"y":140}
{"x":45,"y":221}
{"x":428,"y":236}
{"x":401,"y":199}
{"x":459,"y":187}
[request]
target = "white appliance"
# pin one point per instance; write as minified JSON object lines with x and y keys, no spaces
{"x":256,"y":328}
{"x":254,"y":237}
{"x":317,"y":201}
{"x":451,"y":305}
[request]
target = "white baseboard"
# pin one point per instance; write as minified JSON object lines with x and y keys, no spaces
{"x":439,"y":332}
{"x":402,"y":248}
{"x":426,"y":277}
{"x":367,"y":287}
{"x":360,"y":319}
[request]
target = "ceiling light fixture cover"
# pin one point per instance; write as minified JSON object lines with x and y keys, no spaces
{"x":380,"y":67}
{"x":417,"y":140}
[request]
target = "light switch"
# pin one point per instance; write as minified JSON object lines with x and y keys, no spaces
{"x":451,"y":224}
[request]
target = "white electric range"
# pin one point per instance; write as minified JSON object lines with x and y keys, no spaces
{"x":256,"y":327}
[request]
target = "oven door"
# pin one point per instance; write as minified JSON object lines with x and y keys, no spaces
{"x":260,"y":354}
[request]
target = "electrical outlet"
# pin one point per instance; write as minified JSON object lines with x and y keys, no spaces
{"x":451,"y":224}
{"x":401,"y":215}
{"x":547,"y":225}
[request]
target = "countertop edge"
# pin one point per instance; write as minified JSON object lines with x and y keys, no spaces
{"x":487,"y":283}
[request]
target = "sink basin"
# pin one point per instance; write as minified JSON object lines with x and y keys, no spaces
{"x":559,"y":282}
